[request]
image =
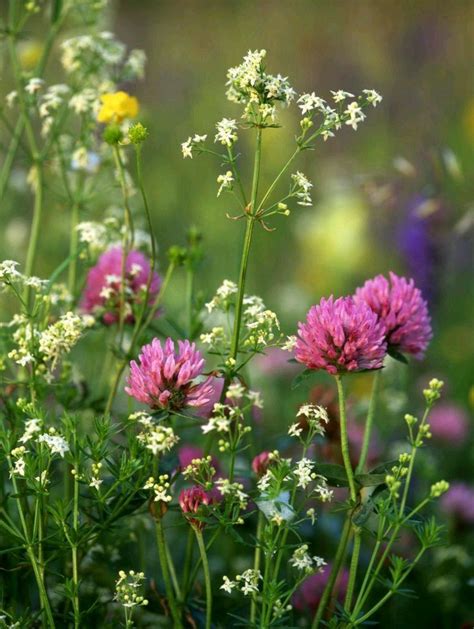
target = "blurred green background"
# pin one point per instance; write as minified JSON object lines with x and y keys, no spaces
{"x":398,"y":194}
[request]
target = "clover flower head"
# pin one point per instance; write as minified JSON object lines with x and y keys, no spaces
{"x":190,"y":501}
{"x":116,"y":107}
{"x":165,"y":378}
{"x":341,"y":336}
{"x":261,"y":463}
{"x":102,"y":294}
{"x":401,"y":310}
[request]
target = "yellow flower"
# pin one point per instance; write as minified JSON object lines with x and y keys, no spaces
{"x":116,"y":106}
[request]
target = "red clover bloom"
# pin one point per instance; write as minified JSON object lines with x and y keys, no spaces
{"x":340,"y":336}
{"x":102,"y":294}
{"x":190,"y":501}
{"x":402,"y":311}
{"x":165,"y":379}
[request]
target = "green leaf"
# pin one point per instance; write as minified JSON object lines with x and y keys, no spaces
{"x":301,"y":377}
{"x":397,"y":355}
{"x":362,"y":513}
{"x":335,"y":474}
{"x":370,"y":480}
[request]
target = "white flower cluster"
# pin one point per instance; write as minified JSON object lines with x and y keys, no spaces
{"x":95,"y":55}
{"x":258,"y":91}
{"x":302,"y":560}
{"x":304,"y":472}
{"x":26,"y":339}
{"x":247,"y":582}
{"x":301,"y":189}
{"x":19,"y":467}
{"x":193,"y":143}
{"x":226,"y":132}
{"x":127,"y":589}
{"x":60,"y":337}
{"x":262,"y":325}
{"x":222,"y":299}
{"x":316,"y":416}
{"x":55,"y":442}
{"x":200,"y":470}
{"x":160,"y":488}
{"x":9,"y":274}
{"x":95,"y":480}
{"x":222,"y":417}
{"x":155,"y":437}
{"x":332,"y":120}
{"x":50,"y":102}
{"x":233,"y":490}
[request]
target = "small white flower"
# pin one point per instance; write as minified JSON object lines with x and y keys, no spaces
{"x":309,"y":102}
{"x":226,"y":132}
{"x":34,"y":85}
{"x":304,"y":472}
{"x":373,"y":97}
{"x":295,"y":430}
{"x":56,"y":443}
{"x":341,"y":95}
{"x":289,"y":344}
{"x":225,"y":182}
{"x":228,"y":585}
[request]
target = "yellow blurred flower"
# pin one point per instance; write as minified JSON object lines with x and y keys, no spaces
{"x":116,"y":106}
{"x":29,"y":54}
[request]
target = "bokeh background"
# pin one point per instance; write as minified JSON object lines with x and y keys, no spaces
{"x":398,"y":194}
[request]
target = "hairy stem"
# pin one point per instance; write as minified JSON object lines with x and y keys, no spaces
{"x":246,"y":248}
{"x":344,"y":440}
{"x":256,"y":562}
{"x":369,"y":422}
{"x":336,"y":567}
{"x":163,"y":558}
{"x":207,"y":576}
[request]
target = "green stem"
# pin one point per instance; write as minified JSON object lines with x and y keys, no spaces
{"x":256,"y":562}
{"x":353,"y":570}
{"x":187,"y":564}
{"x":39,"y":576}
{"x":162,"y":555}
{"x":127,"y":240}
{"x":75,"y":567}
{"x":363,"y":595}
{"x":338,"y":561}
{"x":73,"y":246}
{"x":344,"y":440}
{"x":412,"y":464}
{"x":207,"y":576}
{"x":369,"y":422}
{"x":246,"y":248}
{"x":389,"y":594}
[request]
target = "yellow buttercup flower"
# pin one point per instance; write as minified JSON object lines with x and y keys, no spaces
{"x":116,"y":106}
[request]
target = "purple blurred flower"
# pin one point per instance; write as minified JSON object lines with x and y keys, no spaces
{"x":458,"y":502}
{"x":104,"y":280}
{"x":341,"y":335}
{"x":308,"y":595}
{"x":165,"y":379}
{"x":355,"y":434}
{"x":275,"y":361}
{"x":418,"y":246}
{"x":449,"y":423}
{"x":402,"y":311}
